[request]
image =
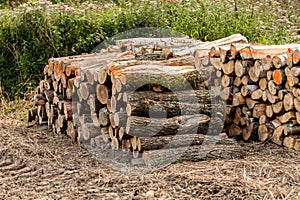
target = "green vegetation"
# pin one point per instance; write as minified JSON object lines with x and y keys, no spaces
{"x":31,"y":33}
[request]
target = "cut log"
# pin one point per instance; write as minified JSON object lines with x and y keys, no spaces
{"x":277,"y":107}
{"x":250,"y":103}
{"x":257,"y":94}
{"x":226,"y":80}
{"x":288,"y":102}
{"x":279,"y":76}
{"x":286,"y":117}
{"x":249,"y":131}
{"x":279,"y":61}
{"x":216,"y":62}
{"x":262,"y":83}
{"x":147,"y":127}
{"x":248,"y":89}
{"x":261,"y":51}
{"x":228,"y":68}
{"x":259,"y":110}
{"x":277,"y":136}
{"x":238,"y":99}
{"x":234,"y":131}
{"x":269,"y":111}
{"x":267,"y":62}
{"x":175,"y":141}
{"x":265,"y":131}
{"x":296,"y":56}
{"x":237,"y":116}
{"x":290,"y":141}
{"x":171,"y":77}
{"x":273,"y":89}
{"x":159,"y":158}
{"x":237,"y":81}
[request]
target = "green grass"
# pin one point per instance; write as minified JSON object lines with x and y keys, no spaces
{"x":33,"y":32}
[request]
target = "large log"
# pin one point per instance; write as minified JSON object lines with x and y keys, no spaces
{"x":147,"y":127}
{"x":171,"y":77}
{"x":162,"y":157}
{"x":174,"y":141}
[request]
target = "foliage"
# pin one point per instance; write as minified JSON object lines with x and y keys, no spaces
{"x":37,"y":30}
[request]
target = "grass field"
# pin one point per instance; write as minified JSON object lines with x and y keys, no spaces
{"x":37,"y":30}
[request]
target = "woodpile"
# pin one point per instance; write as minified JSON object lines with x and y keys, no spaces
{"x":260,"y":86}
{"x":146,"y":96}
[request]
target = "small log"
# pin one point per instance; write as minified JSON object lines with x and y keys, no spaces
{"x":296,"y":56}
{"x":250,"y":103}
{"x":288,"y":102}
{"x":279,"y":61}
{"x":257,"y":94}
{"x":286,"y":117}
{"x":226,"y":80}
{"x":270,"y":97}
{"x":277,"y":107}
{"x":269,"y":111}
{"x":290,"y":141}
{"x":246,"y":80}
{"x":102,"y":93}
{"x":273,"y":89}
{"x":237,"y":116}
{"x":249,"y":131}
{"x":240,"y":69}
{"x":265,"y":131}
{"x":248,"y":89}
{"x":71,"y":132}
{"x":234,"y":131}
{"x":262,"y":84}
{"x":267,"y":62}
{"x":237,"y":82}
{"x":216,"y":62}
{"x":238,"y":99}
{"x":259,"y":110}
{"x":228,"y":68}
{"x":277,"y":136}
{"x":279,"y":77}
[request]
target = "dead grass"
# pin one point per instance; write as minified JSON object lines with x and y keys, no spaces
{"x":35,"y":164}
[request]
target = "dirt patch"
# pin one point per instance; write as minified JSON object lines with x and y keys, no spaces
{"x":35,"y":164}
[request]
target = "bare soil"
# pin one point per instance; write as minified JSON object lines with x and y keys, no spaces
{"x":36,"y":164}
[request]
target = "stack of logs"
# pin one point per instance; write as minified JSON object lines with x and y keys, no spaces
{"x":143,"y":95}
{"x":261,"y":86}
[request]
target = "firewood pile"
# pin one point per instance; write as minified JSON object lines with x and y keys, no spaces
{"x":145,"y":95}
{"x":261,"y":87}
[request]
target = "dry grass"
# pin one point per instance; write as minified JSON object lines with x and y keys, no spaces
{"x":35,"y":164}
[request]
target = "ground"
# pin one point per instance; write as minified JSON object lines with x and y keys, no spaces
{"x":36,"y":164}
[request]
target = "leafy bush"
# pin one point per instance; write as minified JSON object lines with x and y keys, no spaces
{"x":37,"y":30}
